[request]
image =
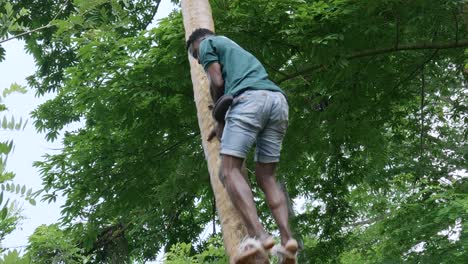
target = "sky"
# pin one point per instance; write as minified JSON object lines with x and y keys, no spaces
{"x":30,"y":145}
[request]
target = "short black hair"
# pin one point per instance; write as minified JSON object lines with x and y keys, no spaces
{"x":198,"y":33}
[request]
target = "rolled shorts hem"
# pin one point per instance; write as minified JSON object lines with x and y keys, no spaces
{"x":266,"y":159}
{"x":233,"y":153}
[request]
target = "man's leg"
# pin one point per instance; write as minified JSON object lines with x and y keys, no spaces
{"x":241,"y":196}
{"x":275,"y":197}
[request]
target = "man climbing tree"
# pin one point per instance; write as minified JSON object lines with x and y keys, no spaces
{"x":258,"y":112}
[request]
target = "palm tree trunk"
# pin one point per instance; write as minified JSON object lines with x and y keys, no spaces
{"x":197,"y":14}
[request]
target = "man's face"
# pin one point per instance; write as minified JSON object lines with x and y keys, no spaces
{"x":194,"y":48}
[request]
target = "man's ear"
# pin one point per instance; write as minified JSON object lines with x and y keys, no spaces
{"x":190,"y":50}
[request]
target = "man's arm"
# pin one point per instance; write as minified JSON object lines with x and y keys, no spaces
{"x":216,"y":90}
{"x":216,"y":81}
{"x":217,"y":131}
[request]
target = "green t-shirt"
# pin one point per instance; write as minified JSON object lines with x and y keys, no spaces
{"x":240,"y":69}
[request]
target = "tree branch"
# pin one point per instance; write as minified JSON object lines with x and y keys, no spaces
{"x":397,"y":31}
{"x":367,"y":221}
{"x":39,"y":28}
{"x":214,"y":215}
{"x":175,"y":145}
{"x":366,"y":53}
{"x":108,"y":235}
{"x":25,"y":33}
{"x":410,"y":76}
{"x":155,"y":10}
{"x":423,"y":86}
{"x":456,"y":25}
{"x":419,"y":68}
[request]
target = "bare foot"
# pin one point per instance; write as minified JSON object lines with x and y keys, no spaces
{"x":251,"y":251}
{"x":267,"y":241}
{"x":287,"y":254}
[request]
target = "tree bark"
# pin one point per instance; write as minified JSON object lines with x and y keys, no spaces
{"x":197,"y":14}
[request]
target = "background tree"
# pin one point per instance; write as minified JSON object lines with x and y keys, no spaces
{"x":49,"y":244}
{"x":10,"y":212}
{"x":377,"y":136}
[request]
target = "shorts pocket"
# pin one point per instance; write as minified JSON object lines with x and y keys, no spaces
{"x":249,"y":103}
{"x":248,"y":108}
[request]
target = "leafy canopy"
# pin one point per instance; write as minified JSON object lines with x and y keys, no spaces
{"x":377,"y":136}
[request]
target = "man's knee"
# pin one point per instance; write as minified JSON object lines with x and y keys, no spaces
{"x":265,"y":174}
{"x":231,"y":166}
{"x":276,"y":201}
{"x":265,"y":170}
{"x":262,"y":182}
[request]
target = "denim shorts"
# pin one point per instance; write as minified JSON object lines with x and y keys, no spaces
{"x":256,"y":116}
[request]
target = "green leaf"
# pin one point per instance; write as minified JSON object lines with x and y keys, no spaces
{"x":3,"y":213}
{"x":14,"y":88}
{"x":4,"y":123}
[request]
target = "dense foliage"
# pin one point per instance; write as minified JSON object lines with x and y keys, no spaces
{"x":376,"y":146}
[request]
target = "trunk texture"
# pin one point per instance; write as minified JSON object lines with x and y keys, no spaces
{"x":197,"y":14}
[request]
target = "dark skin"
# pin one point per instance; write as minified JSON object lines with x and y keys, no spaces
{"x":236,"y":185}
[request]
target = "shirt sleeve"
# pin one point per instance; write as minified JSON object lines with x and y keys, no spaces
{"x":207,"y":53}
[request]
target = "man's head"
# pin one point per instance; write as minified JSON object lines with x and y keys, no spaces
{"x":193,"y":43}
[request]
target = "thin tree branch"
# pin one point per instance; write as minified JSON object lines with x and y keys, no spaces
{"x":214,"y":215}
{"x":367,"y":221}
{"x":60,"y":11}
{"x":154,"y":13}
{"x":22,"y":246}
{"x":108,"y":234}
{"x":366,"y":53}
{"x":26,"y":33}
{"x":269,"y":67}
{"x":397,"y":32}
{"x":456,"y":25}
{"x":411,"y":75}
{"x":301,"y":72}
{"x":175,"y":145}
{"x":419,"y":46}
{"x":423,"y":86}
{"x":37,"y":29}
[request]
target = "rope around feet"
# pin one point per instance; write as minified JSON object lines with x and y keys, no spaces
{"x":286,"y":254}
{"x":249,"y":251}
